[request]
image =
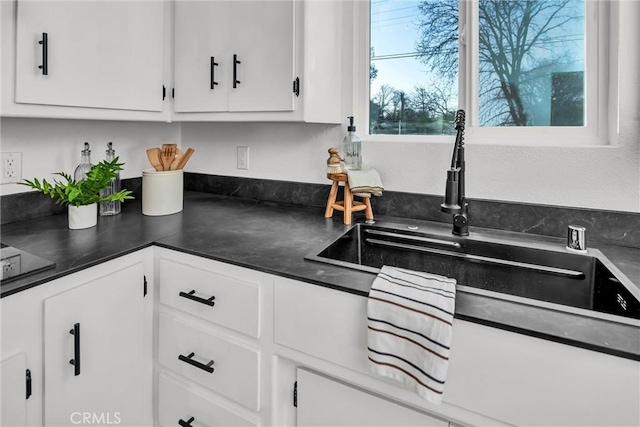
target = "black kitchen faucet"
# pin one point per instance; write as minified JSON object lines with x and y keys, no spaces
{"x":454,"y":198}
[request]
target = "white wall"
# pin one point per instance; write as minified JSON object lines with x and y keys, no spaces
{"x":52,"y":145}
{"x":602,"y":178}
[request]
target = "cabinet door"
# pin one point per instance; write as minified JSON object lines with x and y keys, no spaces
{"x":325,"y":402}
{"x":101,"y":54}
{"x":200,"y":44}
{"x":262,"y":38}
{"x":13,"y":403}
{"x":108,"y":386}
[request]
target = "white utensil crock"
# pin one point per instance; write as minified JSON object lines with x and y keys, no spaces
{"x":162,"y":192}
{"x":83,"y":216}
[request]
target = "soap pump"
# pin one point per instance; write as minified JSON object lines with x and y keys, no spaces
{"x":85,"y":164}
{"x":113,"y":207}
{"x":352,"y":148}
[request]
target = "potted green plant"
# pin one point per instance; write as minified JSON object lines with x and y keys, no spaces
{"x":82,"y":196}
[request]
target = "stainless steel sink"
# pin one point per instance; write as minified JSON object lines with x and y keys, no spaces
{"x":533,"y":271}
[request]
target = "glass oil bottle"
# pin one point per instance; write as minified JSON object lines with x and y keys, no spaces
{"x":110,"y":208}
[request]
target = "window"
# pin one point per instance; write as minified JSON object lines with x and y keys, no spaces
{"x":511,"y":64}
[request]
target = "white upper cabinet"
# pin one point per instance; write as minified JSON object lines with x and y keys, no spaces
{"x":99,"y":54}
{"x":92,"y":59}
{"x":241,"y":60}
{"x":234,"y":56}
{"x":258,"y":60}
{"x":202,"y":67}
{"x":262,"y":42}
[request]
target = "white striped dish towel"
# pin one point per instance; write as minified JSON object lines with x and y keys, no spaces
{"x":409,"y":325}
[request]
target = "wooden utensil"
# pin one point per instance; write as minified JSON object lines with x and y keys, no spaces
{"x":154,"y":154}
{"x":168,"y":155}
{"x":185,"y":158}
{"x":176,"y":161}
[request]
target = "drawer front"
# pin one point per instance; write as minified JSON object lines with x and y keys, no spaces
{"x":188,"y":288}
{"x":235,"y":369}
{"x":177,"y":402}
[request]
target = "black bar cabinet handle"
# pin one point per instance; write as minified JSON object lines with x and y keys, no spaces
{"x":76,"y":349}
{"x":45,"y":54}
{"x":184,"y":423}
{"x":28,"y":382}
{"x":235,"y":70}
{"x":201,"y":300}
{"x":214,"y":64}
{"x":189,"y":359}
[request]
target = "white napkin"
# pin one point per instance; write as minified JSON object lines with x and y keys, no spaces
{"x":365,"y":182}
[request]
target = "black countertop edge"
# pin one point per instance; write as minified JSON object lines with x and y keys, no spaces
{"x":57,"y":275}
{"x":274,"y":239}
{"x":559,"y":339}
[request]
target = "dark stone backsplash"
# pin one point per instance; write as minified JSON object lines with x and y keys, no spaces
{"x":619,"y":228}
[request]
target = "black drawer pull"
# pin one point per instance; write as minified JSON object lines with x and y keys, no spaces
{"x":76,"y":349}
{"x":235,"y":70}
{"x":214,"y":64}
{"x":201,"y":300}
{"x":186,"y":423}
{"x":189,"y":359}
{"x":45,"y":54}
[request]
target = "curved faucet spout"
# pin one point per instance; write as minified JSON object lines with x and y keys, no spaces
{"x":454,"y":198}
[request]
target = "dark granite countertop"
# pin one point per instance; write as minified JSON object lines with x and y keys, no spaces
{"x":274,"y":238}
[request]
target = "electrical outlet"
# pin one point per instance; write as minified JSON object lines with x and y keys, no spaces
{"x":243,"y":157}
{"x":11,"y":165}
{"x":11,"y":266}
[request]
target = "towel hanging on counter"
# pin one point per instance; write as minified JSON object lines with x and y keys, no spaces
{"x":365,"y":182}
{"x":409,"y":321}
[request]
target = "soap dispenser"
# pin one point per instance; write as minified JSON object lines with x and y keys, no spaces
{"x":352,"y":148}
{"x":85,"y":164}
{"x":110,"y":208}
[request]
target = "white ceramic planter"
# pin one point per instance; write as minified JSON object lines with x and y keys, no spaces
{"x":83,"y":216}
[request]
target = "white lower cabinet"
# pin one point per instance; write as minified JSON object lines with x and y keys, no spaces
{"x":14,"y":392}
{"x":323,"y":401}
{"x":233,"y":360}
{"x":93,"y":352}
{"x":495,"y":377}
{"x":180,"y":404}
{"x":210,"y":322}
{"x":111,"y":379}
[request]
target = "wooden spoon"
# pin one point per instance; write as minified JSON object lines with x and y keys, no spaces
{"x":154,"y":154}
{"x":185,"y":158}
{"x":176,"y":161}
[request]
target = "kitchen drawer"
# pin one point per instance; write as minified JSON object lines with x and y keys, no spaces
{"x":177,"y":401}
{"x":236,"y":304}
{"x":236,"y":369}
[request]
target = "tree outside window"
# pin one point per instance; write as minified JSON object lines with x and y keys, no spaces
{"x":530,"y":62}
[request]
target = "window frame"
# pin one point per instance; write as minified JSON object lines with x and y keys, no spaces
{"x":597,"y":55}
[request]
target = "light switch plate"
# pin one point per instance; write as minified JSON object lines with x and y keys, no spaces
{"x":11,"y":165}
{"x":243,"y":157}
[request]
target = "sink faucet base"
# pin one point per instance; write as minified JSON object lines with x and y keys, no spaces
{"x":461,"y":222}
